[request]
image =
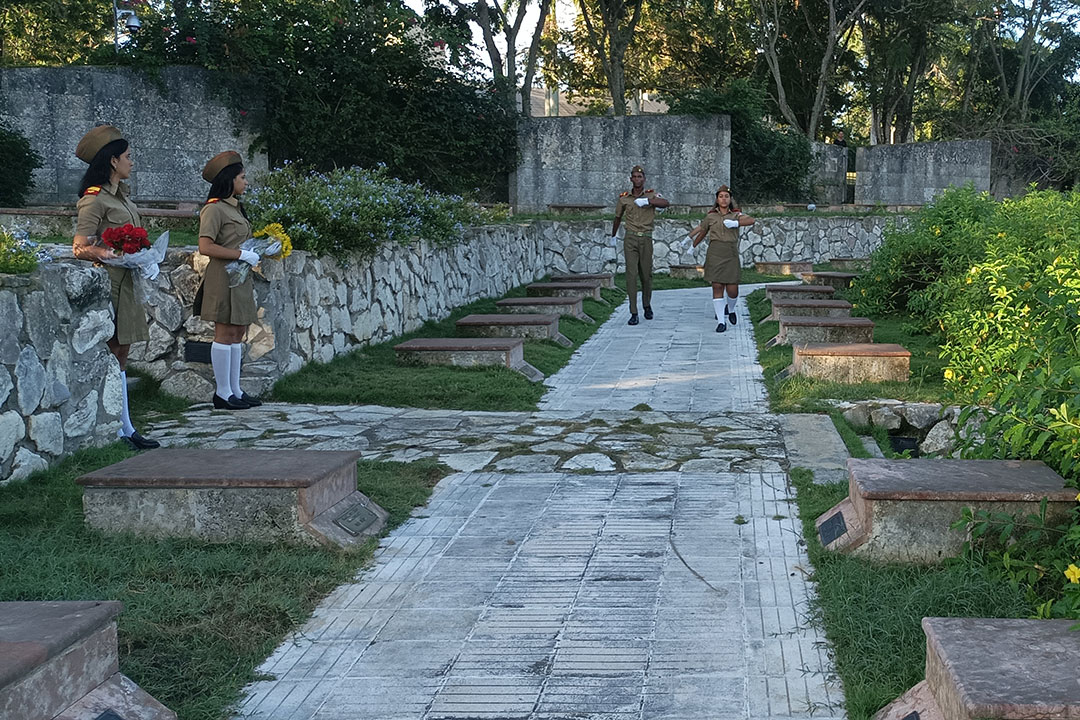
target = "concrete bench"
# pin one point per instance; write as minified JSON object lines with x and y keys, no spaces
{"x":583,"y":289}
{"x":799,"y":292}
{"x":902,"y":510}
{"x":994,"y":668}
{"x":852,"y":362}
{"x":58,"y":660}
{"x":811,"y":307}
{"x":687,"y":272}
{"x":838,"y":280}
{"x":849,"y":264}
{"x":605,"y":279}
{"x":545,"y":327}
{"x":297,"y":496}
{"x":805,"y":330}
{"x":569,"y":306}
{"x":784,"y":267}
{"x":469,"y":352}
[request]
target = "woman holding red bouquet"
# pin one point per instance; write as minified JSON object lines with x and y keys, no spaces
{"x":223,"y":226}
{"x":103,"y":208}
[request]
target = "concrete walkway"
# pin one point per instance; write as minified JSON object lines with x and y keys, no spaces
{"x":581,"y":593}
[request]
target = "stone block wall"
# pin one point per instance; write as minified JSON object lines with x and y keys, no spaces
{"x":828,"y":173}
{"x":174,"y":121}
{"x":59,"y":384}
{"x":587,"y":160}
{"x":916,"y":173}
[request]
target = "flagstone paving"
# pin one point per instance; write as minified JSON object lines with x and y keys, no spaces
{"x":587,"y":561}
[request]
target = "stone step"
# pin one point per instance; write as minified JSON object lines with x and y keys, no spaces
{"x":545,"y":327}
{"x":994,"y":668}
{"x":838,"y":280}
{"x":784,"y":267}
{"x":902,"y":510}
{"x":815,"y":307}
{"x":802,"y":292}
{"x":850,"y":264}
{"x":570,"y":306}
{"x":852,"y":362}
{"x":584,"y":289}
{"x":605,"y":279}
{"x":59,"y":660}
{"x":804,"y":330}
{"x":687,"y":272}
{"x":469,"y":352}
{"x":298,"y":496}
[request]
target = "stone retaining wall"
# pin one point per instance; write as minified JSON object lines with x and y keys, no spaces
{"x":59,"y":385}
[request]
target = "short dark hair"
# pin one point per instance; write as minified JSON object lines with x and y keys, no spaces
{"x":222,"y":187}
{"x":101,"y":169}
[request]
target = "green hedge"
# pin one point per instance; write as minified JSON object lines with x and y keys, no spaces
{"x":19,"y":162}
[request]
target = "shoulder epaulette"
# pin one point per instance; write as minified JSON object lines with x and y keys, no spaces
{"x":92,"y":190}
{"x":211,"y":201}
{"x":624,"y":194}
{"x":650,"y":190}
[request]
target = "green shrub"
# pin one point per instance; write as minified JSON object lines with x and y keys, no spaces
{"x":17,"y":255}
{"x":356,"y":210}
{"x":19,"y":162}
{"x":766,"y":163}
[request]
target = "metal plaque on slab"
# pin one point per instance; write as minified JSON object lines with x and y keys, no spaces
{"x":356,"y":519}
{"x":832,"y":528}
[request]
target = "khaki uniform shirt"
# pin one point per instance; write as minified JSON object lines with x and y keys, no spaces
{"x":99,"y":209}
{"x":638,"y":220}
{"x":222,"y":222}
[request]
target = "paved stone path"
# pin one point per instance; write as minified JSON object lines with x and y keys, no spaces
{"x":588,"y":562}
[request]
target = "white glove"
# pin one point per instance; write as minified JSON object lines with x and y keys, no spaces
{"x":250,"y":257}
{"x":614,"y":240}
{"x":688,"y":243}
{"x":642,"y":202}
{"x":151,"y":271}
{"x":731,"y":223}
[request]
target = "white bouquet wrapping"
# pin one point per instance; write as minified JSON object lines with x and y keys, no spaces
{"x":264,"y":247}
{"x":144,"y":264}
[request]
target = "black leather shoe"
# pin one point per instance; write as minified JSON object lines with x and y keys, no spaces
{"x":251,"y":400}
{"x":233,"y":403}
{"x":648,"y":313}
{"x":732,"y":318}
{"x":633,"y":319}
{"x":721,"y":327}
{"x":138,"y":442}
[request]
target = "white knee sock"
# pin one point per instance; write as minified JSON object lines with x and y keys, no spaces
{"x":730,"y":302}
{"x":220,"y":359}
{"x":126,"y":428}
{"x":718,"y":308}
{"x":236,"y":357}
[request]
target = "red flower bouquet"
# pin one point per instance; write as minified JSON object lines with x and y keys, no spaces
{"x":126,"y":240}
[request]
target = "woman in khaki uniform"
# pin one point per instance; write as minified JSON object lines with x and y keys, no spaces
{"x":721,"y":227}
{"x":223,"y":226}
{"x":103,"y":204}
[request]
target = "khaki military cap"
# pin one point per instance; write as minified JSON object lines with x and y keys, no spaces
{"x":219,"y":162}
{"x":93,"y":141}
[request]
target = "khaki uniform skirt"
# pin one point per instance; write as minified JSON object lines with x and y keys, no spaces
{"x":217,"y":302}
{"x":130,"y":315}
{"x":722,"y":259}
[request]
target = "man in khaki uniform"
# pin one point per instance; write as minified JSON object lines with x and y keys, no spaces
{"x":638,"y":206}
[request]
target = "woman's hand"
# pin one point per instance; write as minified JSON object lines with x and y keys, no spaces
{"x":250,"y":257}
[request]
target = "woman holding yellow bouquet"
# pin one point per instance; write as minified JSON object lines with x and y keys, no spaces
{"x":223,"y":227}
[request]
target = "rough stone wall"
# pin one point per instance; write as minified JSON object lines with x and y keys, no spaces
{"x":916,"y":173}
{"x":174,"y":123}
{"x":828,"y":173}
{"x":587,"y":160}
{"x":59,"y":385}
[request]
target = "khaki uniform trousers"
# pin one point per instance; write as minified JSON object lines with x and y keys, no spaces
{"x":638,"y":250}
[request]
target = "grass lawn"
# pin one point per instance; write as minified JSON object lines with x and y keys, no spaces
{"x":872,"y":612}
{"x":373,"y":375}
{"x":798,"y":394}
{"x":198,"y":618}
{"x":177,"y":238}
{"x":666,"y":282}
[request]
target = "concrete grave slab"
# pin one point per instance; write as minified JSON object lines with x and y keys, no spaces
{"x":583,"y":289}
{"x":469,"y":352}
{"x":784,"y":267}
{"x":902,"y":510}
{"x":570,"y":306}
{"x":812,"y":307}
{"x":545,"y":327}
{"x":852,"y":362}
{"x":687,"y":272}
{"x":837,"y":280}
{"x":849,"y":264}
{"x":803,"y":292}
{"x":807,"y":330}
{"x":298,"y":496}
{"x":605,"y":279}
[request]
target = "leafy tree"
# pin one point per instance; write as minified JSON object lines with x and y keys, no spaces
{"x":19,"y":161}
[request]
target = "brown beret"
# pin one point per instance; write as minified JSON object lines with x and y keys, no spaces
{"x":637,"y":168}
{"x":219,"y":162}
{"x":93,"y":141}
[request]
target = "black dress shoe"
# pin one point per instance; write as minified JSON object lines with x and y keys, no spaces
{"x":251,"y":400}
{"x":648,"y":313}
{"x":633,"y":319}
{"x":138,"y":442}
{"x":233,"y":403}
{"x":732,"y":318}
{"x":721,"y":327}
